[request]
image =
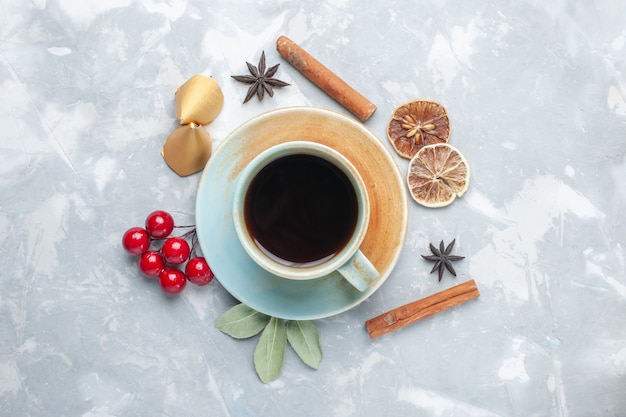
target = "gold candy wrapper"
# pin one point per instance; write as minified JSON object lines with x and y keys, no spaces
{"x":188,"y":149}
{"x":197,"y":102}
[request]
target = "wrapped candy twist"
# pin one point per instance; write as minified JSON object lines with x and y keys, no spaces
{"x":198,"y":102}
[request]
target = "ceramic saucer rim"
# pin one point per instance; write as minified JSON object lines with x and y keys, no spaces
{"x":229,"y":184}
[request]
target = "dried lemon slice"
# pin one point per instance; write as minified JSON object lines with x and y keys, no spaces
{"x":438,"y":174}
{"x":416,"y":124}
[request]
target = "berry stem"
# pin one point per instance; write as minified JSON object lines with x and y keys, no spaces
{"x":189,"y":233}
{"x":194,"y":242}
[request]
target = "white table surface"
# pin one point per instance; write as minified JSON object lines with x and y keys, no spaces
{"x":536,"y":92}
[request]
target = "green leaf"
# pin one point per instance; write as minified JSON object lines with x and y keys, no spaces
{"x":305,"y":340}
{"x":242,"y":322}
{"x":270,"y":350}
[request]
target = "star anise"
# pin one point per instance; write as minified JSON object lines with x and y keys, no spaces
{"x":443,"y":258}
{"x":260,"y":79}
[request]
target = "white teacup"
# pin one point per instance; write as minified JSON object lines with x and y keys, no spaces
{"x":301,"y":212}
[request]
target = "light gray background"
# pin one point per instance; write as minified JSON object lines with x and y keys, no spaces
{"x":536,"y":93}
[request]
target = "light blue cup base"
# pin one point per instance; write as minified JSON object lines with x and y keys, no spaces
{"x":271,"y":294}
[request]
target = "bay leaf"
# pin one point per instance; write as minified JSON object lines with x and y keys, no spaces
{"x":305,"y":341}
{"x":270,"y":350}
{"x":242,"y":322}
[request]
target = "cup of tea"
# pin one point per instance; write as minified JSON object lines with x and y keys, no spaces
{"x":301,"y":211}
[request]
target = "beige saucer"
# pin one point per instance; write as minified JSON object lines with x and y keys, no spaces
{"x":238,"y":273}
{"x":388,"y":200}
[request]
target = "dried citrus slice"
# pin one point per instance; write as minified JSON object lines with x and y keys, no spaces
{"x":416,"y":124}
{"x":438,"y":174}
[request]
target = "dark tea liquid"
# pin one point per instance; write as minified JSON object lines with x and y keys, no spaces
{"x":301,"y":209}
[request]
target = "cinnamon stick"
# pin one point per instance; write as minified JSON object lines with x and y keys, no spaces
{"x":325,"y":79}
{"x":420,"y":309}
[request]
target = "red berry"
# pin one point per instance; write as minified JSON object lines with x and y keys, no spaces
{"x":198,"y":271}
{"x":175,"y":250}
{"x":136,"y":240}
{"x":159,"y":224}
{"x":172,"y":281}
{"x":151,"y":264}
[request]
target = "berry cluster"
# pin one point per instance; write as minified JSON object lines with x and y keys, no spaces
{"x":167,"y":262}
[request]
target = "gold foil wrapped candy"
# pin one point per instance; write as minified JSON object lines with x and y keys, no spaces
{"x":197,"y":102}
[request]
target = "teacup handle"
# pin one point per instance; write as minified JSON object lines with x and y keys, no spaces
{"x":359,"y":271}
